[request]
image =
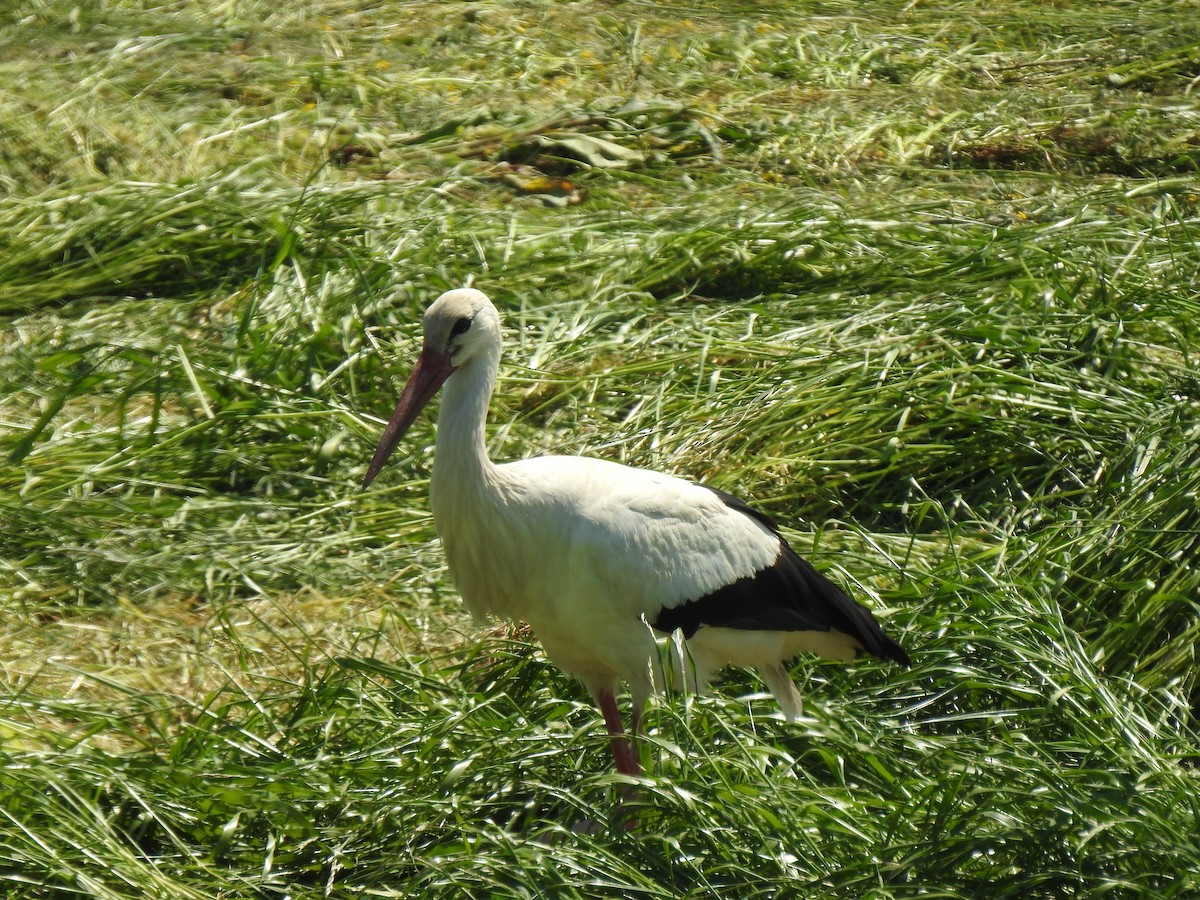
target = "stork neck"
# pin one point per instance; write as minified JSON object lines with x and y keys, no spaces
{"x":461,"y":432}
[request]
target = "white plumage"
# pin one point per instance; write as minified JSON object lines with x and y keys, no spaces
{"x":597,"y":556}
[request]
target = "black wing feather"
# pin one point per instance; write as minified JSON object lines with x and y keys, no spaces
{"x":788,"y":595}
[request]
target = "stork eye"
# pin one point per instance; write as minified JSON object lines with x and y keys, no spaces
{"x":460,"y":326}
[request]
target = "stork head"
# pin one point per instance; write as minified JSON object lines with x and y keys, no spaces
{"x":460,"y":326}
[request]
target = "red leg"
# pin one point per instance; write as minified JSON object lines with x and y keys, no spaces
{"x":624,"y":754}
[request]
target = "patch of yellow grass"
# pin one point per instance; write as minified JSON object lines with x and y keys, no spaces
{"x":166,"y":660}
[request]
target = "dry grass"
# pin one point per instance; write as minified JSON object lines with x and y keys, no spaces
{"x":60,"y":671}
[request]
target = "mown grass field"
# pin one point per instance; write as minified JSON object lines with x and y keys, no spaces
{"x":922,"y":279}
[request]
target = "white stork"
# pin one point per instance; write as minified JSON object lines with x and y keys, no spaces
{"x":597,"y":557}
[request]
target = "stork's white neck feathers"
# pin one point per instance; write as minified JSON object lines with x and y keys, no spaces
{"x":465,"y":486}
{"x":461,"y":448}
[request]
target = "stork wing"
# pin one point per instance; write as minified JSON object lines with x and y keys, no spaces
{"x":684,"y":556}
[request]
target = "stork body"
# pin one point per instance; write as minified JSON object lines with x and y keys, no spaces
{"x":597,"y":557}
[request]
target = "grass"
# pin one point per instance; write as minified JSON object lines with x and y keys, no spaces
{"x":921,"y":279}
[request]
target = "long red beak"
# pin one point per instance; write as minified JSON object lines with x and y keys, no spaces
{"x":431,"y":372}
